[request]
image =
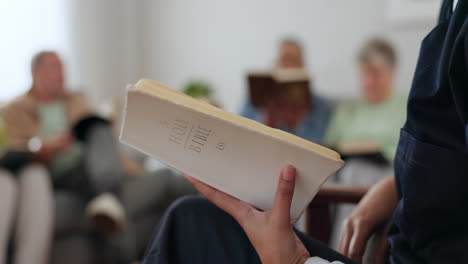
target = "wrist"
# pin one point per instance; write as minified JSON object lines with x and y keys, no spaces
{"x":300,"y":260}
{"x":34,"y":145}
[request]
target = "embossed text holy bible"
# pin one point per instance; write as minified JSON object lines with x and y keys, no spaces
{"x":231,"y":153}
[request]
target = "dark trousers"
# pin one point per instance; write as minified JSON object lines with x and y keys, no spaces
{"x":99,"y":170}
{"x":194,"y":230}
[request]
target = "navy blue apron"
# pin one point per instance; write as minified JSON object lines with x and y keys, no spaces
{"x":430,"y":224}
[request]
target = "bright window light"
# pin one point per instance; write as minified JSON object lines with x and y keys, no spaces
{"x":28,"y":26}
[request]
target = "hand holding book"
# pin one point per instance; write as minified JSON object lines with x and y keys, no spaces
{"x":271,"y":231}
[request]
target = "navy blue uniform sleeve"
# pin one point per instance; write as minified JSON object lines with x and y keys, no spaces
{"x":431,"y":165}
{"x":458,"y":73}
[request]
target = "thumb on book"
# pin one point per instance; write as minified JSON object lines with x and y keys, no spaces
{"x":284,"y":195}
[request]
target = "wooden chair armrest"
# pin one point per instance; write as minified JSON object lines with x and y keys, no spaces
{"x":318,"y":219}
{"x":340,"y":193}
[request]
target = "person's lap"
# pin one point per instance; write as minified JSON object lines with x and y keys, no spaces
{"x":195,"y":231}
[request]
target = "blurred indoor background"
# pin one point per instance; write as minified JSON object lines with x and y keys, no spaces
{"x":108,"y":44}
{"x":199,"y":46}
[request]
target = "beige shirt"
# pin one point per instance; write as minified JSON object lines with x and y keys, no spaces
{"x":22,"y":121}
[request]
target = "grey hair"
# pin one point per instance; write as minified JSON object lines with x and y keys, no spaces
{"x":378,"y":48}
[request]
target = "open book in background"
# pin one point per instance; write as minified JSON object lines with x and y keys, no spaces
{"x":231,"y":153}
{"x":292,"y":86}
{"x":362,"y":149}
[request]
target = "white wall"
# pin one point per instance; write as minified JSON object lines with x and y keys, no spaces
{"x":115,"y":42}
{"x":105,"y":44}
{"x":220,"y":40}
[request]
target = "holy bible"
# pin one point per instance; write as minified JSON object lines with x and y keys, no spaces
{"x":231,"y":153}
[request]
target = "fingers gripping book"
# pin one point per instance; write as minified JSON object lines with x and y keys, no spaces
{"x":231,"y":153}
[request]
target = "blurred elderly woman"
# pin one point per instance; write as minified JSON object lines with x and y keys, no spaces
{"x":370,"y":124}
{"x":366,"y":131}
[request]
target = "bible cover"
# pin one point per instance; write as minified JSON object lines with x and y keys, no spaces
{"x":233,"y":154}
{"x":286,"y":87}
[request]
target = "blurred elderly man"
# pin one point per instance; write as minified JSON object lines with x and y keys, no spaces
{"x":308,"y":121}
{"x":74,"y":145}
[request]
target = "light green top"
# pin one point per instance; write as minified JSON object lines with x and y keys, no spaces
{"x":53,"y":122}
{"x":3,"y":137}
{"x":364,"y":121}
{"x":53,"y":119}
